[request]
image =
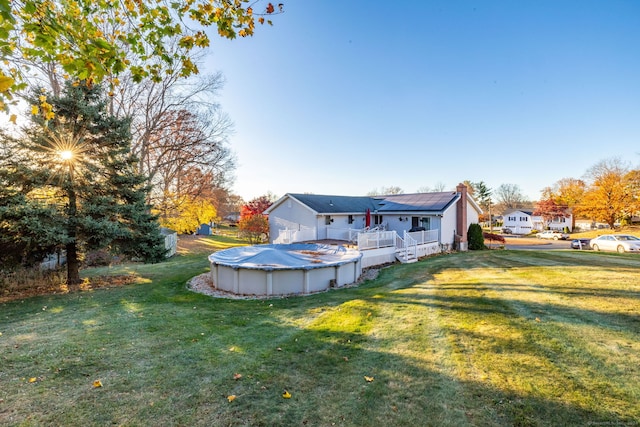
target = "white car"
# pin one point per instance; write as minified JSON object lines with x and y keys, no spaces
{"x":552,"y":234}
{"x":616,"y":242}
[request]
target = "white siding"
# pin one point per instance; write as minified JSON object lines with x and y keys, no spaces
{"x":448,"y":228}
{"x":472,"y":215}
{"x":321,"y":227}
{"x":292,"y":215}
{"x":518,"y":222}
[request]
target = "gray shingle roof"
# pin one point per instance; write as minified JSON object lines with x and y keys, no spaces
{"x":419,"y":202}
{"x":336,"y":204}
{"x":526,"y":211}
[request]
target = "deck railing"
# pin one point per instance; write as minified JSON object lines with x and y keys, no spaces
{"x":293,"y":236}
{"x":376,"y":239}
{"x":346,"y":234}
{"x":410,"y":246}
{"x":422,"y":237}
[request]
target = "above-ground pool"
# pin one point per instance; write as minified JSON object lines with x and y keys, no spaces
{"x":284,"y":269}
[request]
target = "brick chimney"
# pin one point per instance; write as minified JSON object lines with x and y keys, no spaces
{"x":461,"y":220}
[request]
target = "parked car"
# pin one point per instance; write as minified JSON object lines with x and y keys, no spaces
{"x":552,"y":234}
{"x":506,"y":230}
{"x":580,"y":244}
{"x":616,"y":242}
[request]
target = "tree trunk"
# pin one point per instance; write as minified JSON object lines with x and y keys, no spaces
{"x":73,"y":264}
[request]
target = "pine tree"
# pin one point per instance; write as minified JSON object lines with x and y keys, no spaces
{"x":29,"y":229}
{"x":84,"y":153}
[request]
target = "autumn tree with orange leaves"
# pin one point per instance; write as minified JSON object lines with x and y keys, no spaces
{"x":549,"y":209}
{"x":253,"y":224}
{"x":609,"y":198}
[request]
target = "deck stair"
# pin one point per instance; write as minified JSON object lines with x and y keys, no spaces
{"x":405,"y":256}
{"x":406,"y":249}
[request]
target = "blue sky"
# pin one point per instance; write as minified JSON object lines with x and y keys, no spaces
{"x":343,"y":97}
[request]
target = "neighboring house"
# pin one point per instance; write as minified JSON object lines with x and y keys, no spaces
{"x":585,"y":224}
{"x":170,"y":241}
{"x":589,"y":224}
{"x":519,"y":222}
{"x":232,"y":217}
{"x":444,"y":216}
{"x":560,"y":223}
{"x":524,"y":222}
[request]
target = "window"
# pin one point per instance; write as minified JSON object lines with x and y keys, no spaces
{"x":350,"y":220}
{"x":327,"y":220}
{"x":511,"y":218}
{"x":426,"y":223}
{"x":377,"y":219}
{"x":523,"y":218}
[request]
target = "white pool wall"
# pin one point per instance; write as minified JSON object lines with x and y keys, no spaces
{"x":238,"y":274}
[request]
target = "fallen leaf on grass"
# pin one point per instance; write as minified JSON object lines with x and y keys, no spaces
{"x":231,"y":397}
{"x":368,"y":379}
{"x":286,"y":395}
{"x":33,"y":379}
{"x":345,"y":358}
{"x":237,"y":376}
{"x":97,"y":384}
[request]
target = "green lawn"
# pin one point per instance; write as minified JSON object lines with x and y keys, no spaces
{"x":480,"y":338}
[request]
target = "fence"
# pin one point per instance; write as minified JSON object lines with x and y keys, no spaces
{"x":293,"y":236}
{"x":346,"y":234}
{"x":427,"y":236}
{"x":376,"y":239}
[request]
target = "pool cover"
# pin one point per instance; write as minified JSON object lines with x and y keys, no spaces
{"x":284,"y":257}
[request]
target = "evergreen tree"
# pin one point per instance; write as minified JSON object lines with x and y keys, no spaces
{"x":29,"y":229}
{"x":482,"y":194}
{"x":475,"y":237}
{"x":90,"y":180}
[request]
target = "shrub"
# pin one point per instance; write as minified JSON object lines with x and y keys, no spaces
{"x":255,"y":228}
{"x":492,"y":237}
{"x":476,"y":240}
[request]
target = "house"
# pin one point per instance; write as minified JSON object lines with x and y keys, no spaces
{"x":584,"y":224}
{"x":524,"y":222}
{"x":559,"y":223}
{"x":440,"y":218}
{"x":520,"y":222}
{"x":232,"y":217}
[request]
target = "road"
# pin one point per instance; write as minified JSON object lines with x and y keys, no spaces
{"x":534,"y":243}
